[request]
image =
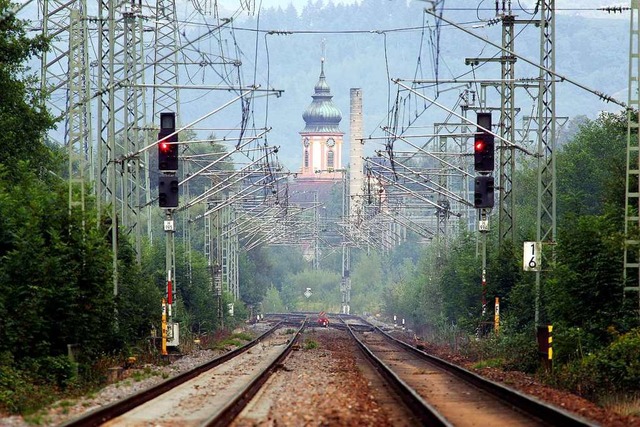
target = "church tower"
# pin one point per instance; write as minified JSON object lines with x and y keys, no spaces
{"x":321,"y":138}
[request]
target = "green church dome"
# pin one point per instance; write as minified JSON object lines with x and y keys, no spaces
{"x":322,"y":116}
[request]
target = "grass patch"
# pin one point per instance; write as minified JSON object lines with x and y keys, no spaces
{"x":36,"y":419}
{"x":489,"y":363}
{"x":622,"y":404}
{"x":310,"y":344}
{"x":235,"y":340}
{"x":143,"y":374}
{"x":65,"y":405}
{"x":228,"y":342}
{"x":245,"y":336}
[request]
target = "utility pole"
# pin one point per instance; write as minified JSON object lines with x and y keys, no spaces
{"x":631,"y":271}
{"x":345,"y":284}
{"x":506,"y":213}
{"x":443,"y":211}
{"x":506,"y":129}
{"x":78,"y":122}
{"x":132,"y":121}
{"x":546,"y":230}
{"x":214,"y":258}
{"x":316,"y":233}
{"x":168,"y":198}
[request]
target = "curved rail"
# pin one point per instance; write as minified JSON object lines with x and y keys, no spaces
{"x":106,"y":413}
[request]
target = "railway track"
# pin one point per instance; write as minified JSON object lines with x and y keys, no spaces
{"x":246,"y":383}
{"x":458,"y":397}
{"x":210,"y":394}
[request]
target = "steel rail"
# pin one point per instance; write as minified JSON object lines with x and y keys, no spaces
{"x":547,"y":413}
{"x":234,"y":407}
{"x":424,"y":412}
{"x":109,"y":412}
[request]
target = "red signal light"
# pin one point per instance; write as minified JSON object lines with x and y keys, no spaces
{"x":164,"y":146}
{"x":479,"y":145}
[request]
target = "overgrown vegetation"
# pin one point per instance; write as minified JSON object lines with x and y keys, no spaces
{"x":310,"y":344}
{"x":596,"y":347}
{"x":57,"y":292}
{"x":233,"y":340}
{"x":56,"y":267}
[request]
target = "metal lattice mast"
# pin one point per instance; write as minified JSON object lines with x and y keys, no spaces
{"x":56,"y":22}
{"x":165,"y":79}
{"x":234,"y":249}
{"x":65,"y":81}
{"x":165,"y":68}
{"x":133,"y":122}
{"x":506,"y":216}
{"x":466,"y":186}
{"x":186,"y":227}
{"x":106,"y":167}
{"x":78,"y":118}
{"x":316,"y":233}
{"x":631,"y":272}
{"x":546,"y":230}
{"x":120,"y":114}
{"x":444,"y":212}
{"x":223,"y":237}
{"x":208,"y":253}
{"x":345,"y":283}
{"x":217,"y":262}
{"x":230,"y":246}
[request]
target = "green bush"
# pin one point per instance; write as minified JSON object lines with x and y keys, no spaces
{"x":516,"y":351}
{"x":310,"y":344}
{"x":245,"y":336}
{"x":571,"y":344}
{"x":18,"y":393}
{"x":613,"y":369}
{"x":520,"y":351}
{"x":57,"y":371}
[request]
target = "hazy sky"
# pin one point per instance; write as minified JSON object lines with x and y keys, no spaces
{"x":560,"y":4}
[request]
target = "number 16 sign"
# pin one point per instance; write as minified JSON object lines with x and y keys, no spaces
{"x":532,"y":256}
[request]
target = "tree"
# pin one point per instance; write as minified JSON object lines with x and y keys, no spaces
{"x":272,"y":302}
{"x":325,"y":290}
{"x":55,"y":274}
{"x":591,"y":167}
{"x":23,"y":119}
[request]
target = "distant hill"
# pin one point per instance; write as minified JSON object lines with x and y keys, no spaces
{"x":398,"y":40}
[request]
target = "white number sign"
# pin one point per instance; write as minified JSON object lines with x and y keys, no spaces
{"x":532,"y":256}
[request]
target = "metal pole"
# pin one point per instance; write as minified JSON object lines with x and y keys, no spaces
{"x":506,"y":220}
{"x":631,"y":270}
{"x":169,"y":228}
{"x":546,"y":230}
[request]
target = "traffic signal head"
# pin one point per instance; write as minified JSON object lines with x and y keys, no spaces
{"x":483,"y":152}
{"x":167,"y":147}
{"x":167,"y":153}
{"x":168,"y":191}
{"x":483,"y":192}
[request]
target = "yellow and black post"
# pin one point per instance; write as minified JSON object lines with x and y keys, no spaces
{"x":545,"y":346}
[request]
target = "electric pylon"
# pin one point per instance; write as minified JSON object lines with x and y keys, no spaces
{"x":546,"y":227}
{"x":631,"y":272}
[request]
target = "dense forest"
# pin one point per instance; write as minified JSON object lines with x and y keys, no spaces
{"x":56,"y":289}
